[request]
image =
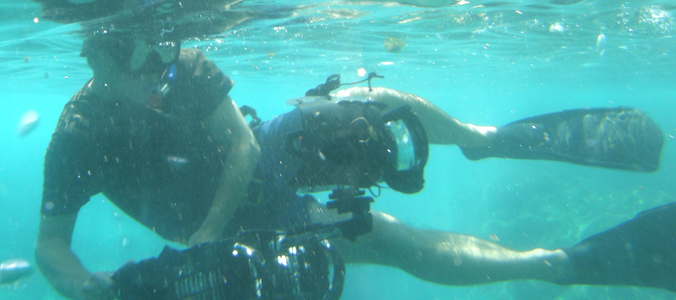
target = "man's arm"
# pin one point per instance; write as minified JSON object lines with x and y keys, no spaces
{"x":230,"y":129}
{"x":53,"y":256}
{"x":60,"y":265}
{"x":450,"y":258}
{"x":441,"y":128}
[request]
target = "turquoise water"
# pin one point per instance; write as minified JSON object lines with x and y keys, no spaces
{"x":487,"y":63}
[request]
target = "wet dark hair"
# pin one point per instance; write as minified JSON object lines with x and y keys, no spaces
{"x":119,"y":46}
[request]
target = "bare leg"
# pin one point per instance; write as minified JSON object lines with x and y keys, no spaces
{"x":440,"y":127}
{"x":444,"y":257}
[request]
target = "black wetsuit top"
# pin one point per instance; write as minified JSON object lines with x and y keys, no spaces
{"x":157,"y":164}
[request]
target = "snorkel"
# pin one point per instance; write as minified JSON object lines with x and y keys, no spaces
{"x":160,"y":92}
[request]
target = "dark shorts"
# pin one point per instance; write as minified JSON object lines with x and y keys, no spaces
{"x":275,"y":215}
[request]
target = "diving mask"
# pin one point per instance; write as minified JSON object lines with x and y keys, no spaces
{"x":135,"y":51}
{"x":167,"y":51}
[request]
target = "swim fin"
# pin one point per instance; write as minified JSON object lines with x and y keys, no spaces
{"x":639,"y":252}
{"x":619,"y":138}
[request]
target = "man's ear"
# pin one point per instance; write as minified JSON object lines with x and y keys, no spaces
{"x":94,"y":61}
{"x":87,"y":47}
{"x":100,"y":62}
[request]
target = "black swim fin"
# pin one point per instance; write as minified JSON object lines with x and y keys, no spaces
{"x":639,"y":252}
{"x":619,"y":138}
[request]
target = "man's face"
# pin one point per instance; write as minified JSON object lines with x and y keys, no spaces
{"x":139,"y":50}
{"x":132,"y":63}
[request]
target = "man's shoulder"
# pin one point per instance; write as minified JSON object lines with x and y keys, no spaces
{"x":193,"y":62}
{"x":84,"y":112}
{"x":84,"y":94}
{"x":201,"y":84}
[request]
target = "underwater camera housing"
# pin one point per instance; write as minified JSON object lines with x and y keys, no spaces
{"x":299,"y":263}
{"x":352,"y":142}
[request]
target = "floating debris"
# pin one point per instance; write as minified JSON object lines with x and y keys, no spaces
{"x":28,"y":122}
{"x":361,"y":72}
{"x":177,"y":163}
{"x":600,"y":44}
{"x":393,"y":44}
{"x":494,"y":237}
{"x":556,"y":27}
{"x":12,"y":270}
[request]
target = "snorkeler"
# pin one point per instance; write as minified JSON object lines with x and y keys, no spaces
{"x":154,"y":131}
{"x":154,"y":123}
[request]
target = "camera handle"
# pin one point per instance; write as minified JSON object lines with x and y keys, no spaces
{"x":236,"y":268}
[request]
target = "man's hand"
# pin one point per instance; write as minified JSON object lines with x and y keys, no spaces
{"x":203,"y":235}
{"x":99,"y":286}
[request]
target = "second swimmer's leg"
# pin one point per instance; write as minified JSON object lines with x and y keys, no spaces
{"x":639,"y":252}
{"x":445,"y":257}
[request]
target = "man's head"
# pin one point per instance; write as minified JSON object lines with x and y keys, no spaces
{"x":129,"y":64}
{"x":133,"y":52}
{"x":136,"y":51}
